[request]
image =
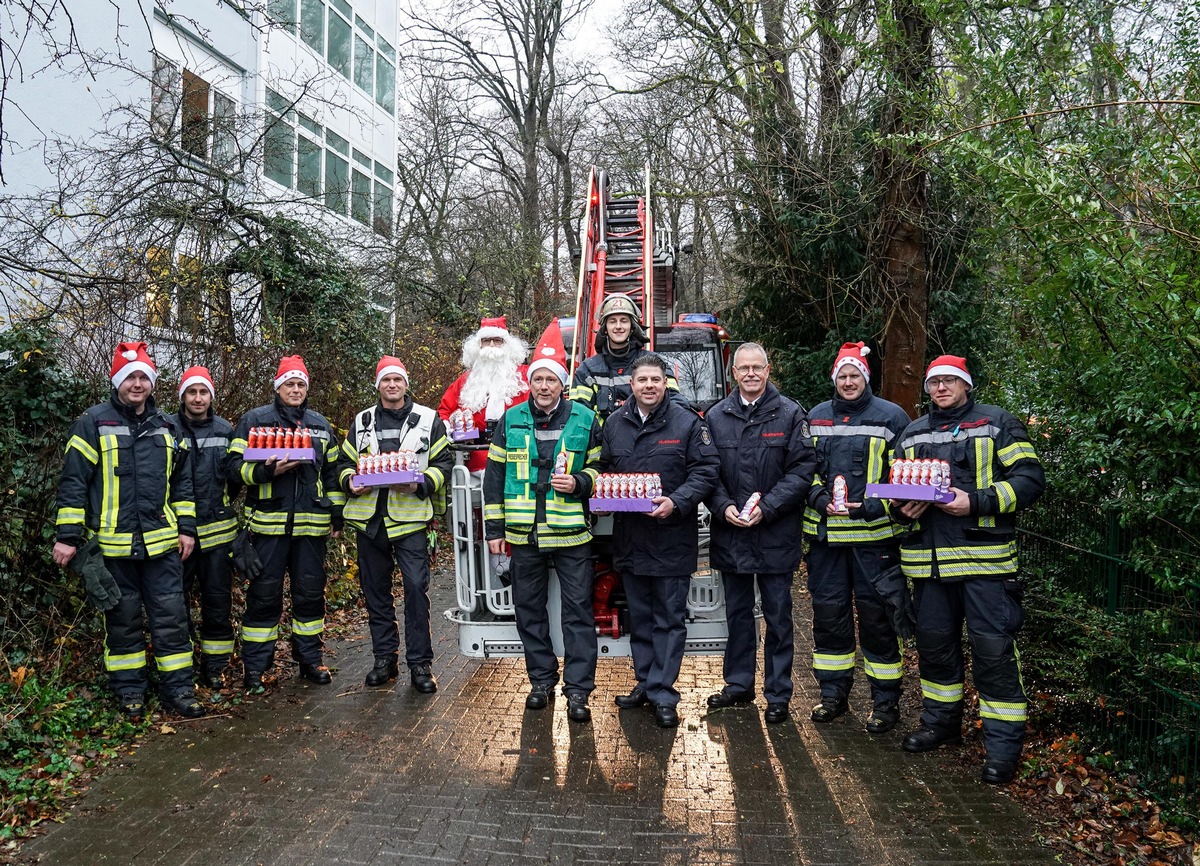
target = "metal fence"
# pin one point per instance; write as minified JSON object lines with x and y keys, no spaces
{"x":1115,"y":601}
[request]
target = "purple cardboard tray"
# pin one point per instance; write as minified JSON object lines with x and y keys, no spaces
{"x":258,"y":455}
{"x":606,"y":503}
{"x":918,"y":492}
{"x":464,"y":435}
{"x":386,"y":479}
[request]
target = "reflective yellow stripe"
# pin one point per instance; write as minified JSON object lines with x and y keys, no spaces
{"x":946,"y":693}
{"x":1006,"y":497}
{"x":184,"y":508}
{"x":311,"y":627}
{"x":260,"y":635}
{"x":70,"y":516}
{"x":174,"y":662}
{"x":984,"y":448}
{"x":1010,"y":454}
{"x":548,"y":537}
{"x":217,"y":533}
{"x":493,"y":512}
{"x":831,"y":662}
{"x":216,"y":647}
{"x":88,"y":452}
{"x":1005,"y":711}
{"x":124,"y":661}
{"x":497,"y":453}
{"x":583,"y":394}
{"x":110,"y":491}
{"x":883,"y":670}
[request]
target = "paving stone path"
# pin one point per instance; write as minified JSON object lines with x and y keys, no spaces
{"x":347,"y":775}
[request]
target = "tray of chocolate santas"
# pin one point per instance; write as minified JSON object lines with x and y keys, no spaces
{"x":263,"y":443}
{"x":924,"y":480}
{"x":383,"y":470}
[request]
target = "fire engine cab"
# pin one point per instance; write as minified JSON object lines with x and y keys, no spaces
{"x":621,"y":250}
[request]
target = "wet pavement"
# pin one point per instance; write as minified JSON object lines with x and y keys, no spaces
{"x":346,"y":775}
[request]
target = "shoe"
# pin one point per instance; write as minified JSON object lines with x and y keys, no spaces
{"x":539,"y":697}
{"x":726,"y":698}
{"x":577,"y":708}
{"x":185,"y":704}
{"x":422,"y":679}
{"x":829,"y":709}
{"x":666,"y":717}
{"x":883,"y":719}
{"x":253,"y":682}
{"x":384,"y":672}
{"x":775,"y":713}
{"x":926,"y":739}
{"x":212,"y":679}
{"x":133,"y":706}
{"x":998,"y":772}
{"x":636,"y":698}
{"x":318,"y":674}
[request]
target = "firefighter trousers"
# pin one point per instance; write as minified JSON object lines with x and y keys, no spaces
{"x":657,"y":632}
{"x":213,"y":571}
{"x":155,"y":585}
{"x":302,"y":558}
{"x":775,"y":591}
{"x":530,"y":587}
{"x":378,"y":558}
{"x":993,"y":614}
{"x":839,"y":582}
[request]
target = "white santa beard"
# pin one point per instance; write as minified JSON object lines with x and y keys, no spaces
{"x":492,"y":382}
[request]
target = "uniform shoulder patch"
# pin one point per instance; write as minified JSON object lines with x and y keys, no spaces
{"x":705,"y":436}
{"x":804,"y":429}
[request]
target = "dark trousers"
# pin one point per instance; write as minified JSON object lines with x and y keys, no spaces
{"x":302,"y":558}
{"x":839,"y":581}
{"x":778,"y":644}
{"x":378,"y":558}
{"x":657,"y":632}
{"x":213,"y":571}
{"x":993,"y":615}
{"x":157,"y":586}
{"x":530,"y":585}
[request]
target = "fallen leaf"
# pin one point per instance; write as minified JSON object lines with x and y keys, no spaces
{"x":624,"y":786}
{"x":265,"y":779}
{"x":1059,"y":787}
{"x":166,"y":729}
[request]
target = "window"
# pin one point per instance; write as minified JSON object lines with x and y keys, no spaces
{"x":165,"y":90}
{"x":312,"y":24}
{"x":279,"y":140}
{"x":385,"y":77}
{"x":158,"y":287}
{"x":364,"y":64}
{"x":224,"y":144}
{"x":338,"y":44}
{"x":308,"y":167}
{"x":383,"y":201}
{"x":283,"y":12}
{"x":337,"y":173}
{"x":194,"y":129}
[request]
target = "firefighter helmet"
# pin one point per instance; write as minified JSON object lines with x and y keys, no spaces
{"x":620,"y":303}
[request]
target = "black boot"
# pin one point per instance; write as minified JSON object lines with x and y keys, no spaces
{"x":926,"y":739}
{"x":318,"y":674}
{"x":577,"y":708}
{"x":184,"y":703}
{"x":385,"y":671}
{"x":253,"y":682}
{"x":830,"y":708}
{"x":422,"y":679}
{"x":132,"y":705}
{"x":883,"y":718}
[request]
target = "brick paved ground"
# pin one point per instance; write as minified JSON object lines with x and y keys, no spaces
{"x":346,"y":775}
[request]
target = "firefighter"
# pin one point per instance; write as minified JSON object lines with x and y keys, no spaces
{"x":962,"y":559}
{"x":293,"y":506}
{"x":125,"y":484}
{"x":602,"y":381}
{"x":208,"y":437}
{"x":656,"y":553}
{"x":851,"y":543}
{"x":764,"y":449}
{"x":392,"y":525}
{"x":540,"y":471}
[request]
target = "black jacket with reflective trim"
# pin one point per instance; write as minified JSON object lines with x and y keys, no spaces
{"x":601,"y":383}
{"x":208,"y":443}
{"x":768,"y":452}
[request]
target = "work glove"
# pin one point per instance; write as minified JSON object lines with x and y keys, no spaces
{"x":88,"y":563}
{"x":245,"y":557}
{"x":891,"y":586}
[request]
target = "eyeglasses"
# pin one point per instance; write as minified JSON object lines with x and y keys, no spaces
{"x":491,"y":341}
{"x":751,"y":368}
{"x":940,"y":381}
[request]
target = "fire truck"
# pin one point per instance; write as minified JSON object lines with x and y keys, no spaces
{"x":621,"y":250}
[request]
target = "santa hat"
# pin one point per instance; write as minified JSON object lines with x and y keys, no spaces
{"x":949,"y":365}
{"x":497,"y":327}
{"x":549,"y":354}
{"x":128,"y":358}
{"x":389,"y":366}
{"x":291,"y":367}
{"x":854,"y":354}
{"x":197,"y":376}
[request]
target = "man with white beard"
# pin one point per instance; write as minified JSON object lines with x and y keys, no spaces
{"x":494,"y":381}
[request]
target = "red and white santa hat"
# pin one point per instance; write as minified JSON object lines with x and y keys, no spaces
{"x":128,"y":358}
{"x":197,"y":376}
{"x":291,"y":367}
{"x":949,"y":365}
{"x":549,"y":354}
{"x":388,"y":366}
{"x":497,"y":327}
{"x":854,"y":354}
